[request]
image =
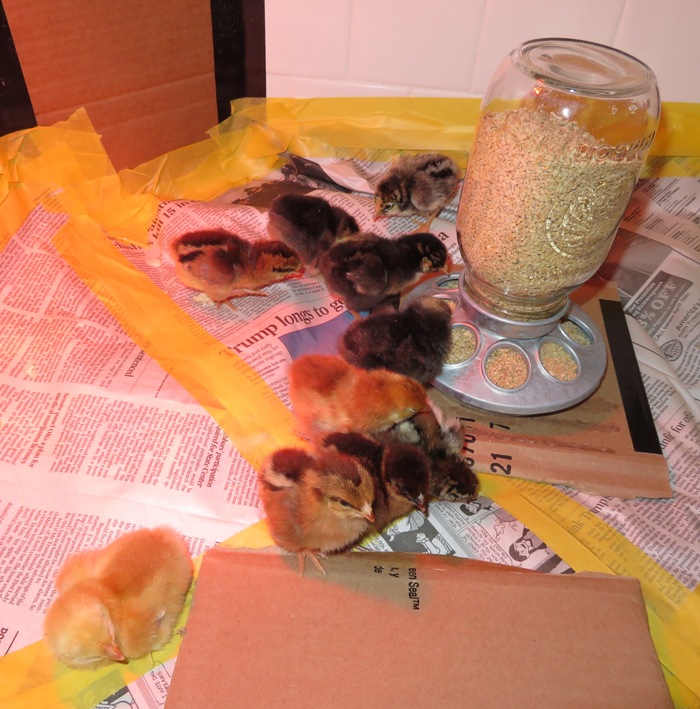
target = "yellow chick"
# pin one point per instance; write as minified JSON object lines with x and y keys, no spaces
{"x":120,"y":602}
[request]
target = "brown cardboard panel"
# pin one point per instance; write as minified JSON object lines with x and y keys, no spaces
{"x":143,"y":71}
{"x":587,"y":447}
{"x":390,"y":630}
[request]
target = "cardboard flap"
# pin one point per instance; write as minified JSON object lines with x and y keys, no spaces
{"x":143,"y":71}
{"x":416,"y":630}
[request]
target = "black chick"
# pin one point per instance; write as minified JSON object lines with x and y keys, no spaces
{"x":414,"y":341}
{"x":368,"y":269}
{"x":226,"y":266}
{"x":416,"y":184}
{"x":401,"y":473}
{"x":310,"y":225}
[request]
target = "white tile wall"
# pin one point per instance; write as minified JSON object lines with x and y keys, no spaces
{"x":452,"y":47}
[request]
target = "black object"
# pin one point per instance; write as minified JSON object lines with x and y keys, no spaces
{"x":16,"y":112}
{"x":634,"y":399}
{"x":238,"y":34}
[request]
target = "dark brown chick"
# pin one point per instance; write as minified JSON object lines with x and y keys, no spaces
{"x":310,"y":225}
{"x":414,"y":341}
{"x":401,"y":472}
{"x":367,"y":269}
{"x":225,"y":266}
{"x":451,"y":477}
{"x":316,"y":504}
{"x":416,"y":184}
{"x":328,"y":395}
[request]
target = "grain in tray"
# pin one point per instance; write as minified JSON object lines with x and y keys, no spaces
{"x":576,"y":333}
{"x":558,"y":361}
{"x":463,"y":345}
{"x":507,"y":367}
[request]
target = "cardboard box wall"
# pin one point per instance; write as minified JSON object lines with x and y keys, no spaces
{"x":144,"y":71}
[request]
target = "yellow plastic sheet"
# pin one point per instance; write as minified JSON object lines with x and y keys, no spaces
{"x":233,"y":393}
{"x":246,"y":146}
{"x":64,"y":168}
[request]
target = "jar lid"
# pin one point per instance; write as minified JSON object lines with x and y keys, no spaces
{"x":582,"y":67}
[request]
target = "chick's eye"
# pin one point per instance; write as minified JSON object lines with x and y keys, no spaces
{"x":343,"y":503}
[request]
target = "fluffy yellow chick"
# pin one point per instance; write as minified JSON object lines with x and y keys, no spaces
{"x":120,"y":602}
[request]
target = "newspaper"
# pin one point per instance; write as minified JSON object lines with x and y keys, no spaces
{"x":96,"y":438}
{"x":99,"y":438}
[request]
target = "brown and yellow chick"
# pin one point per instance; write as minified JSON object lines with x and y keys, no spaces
{"x":316,"y":504}
{"x":401,"y":472}
{"x":328,"y":395}
{"x":310,"y":225}
{"x":416,"y":185}
{"x":414,"y":341}
{"x":367,"y":269}
{"x":120,"y":602}
{"x":453,"y":479}
{"x":225,"y":266}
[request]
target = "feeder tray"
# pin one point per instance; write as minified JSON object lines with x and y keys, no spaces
{"x":519,"y":368}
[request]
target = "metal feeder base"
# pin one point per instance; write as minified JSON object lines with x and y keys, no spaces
{"x":572,"y":332}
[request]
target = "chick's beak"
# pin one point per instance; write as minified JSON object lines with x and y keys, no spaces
{"x":367,"y":513}
{"x":420,"y":503}
{"x":427,"y":266}
{"x":114,"y":653}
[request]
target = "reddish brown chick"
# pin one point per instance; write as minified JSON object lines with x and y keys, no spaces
{"x":329,"y":395}
{"x":316,"y":504}
{"x":225,"y":266}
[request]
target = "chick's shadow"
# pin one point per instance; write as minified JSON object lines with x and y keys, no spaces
{"x":317,"y":339}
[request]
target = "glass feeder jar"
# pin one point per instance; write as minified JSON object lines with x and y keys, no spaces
{"x":564,"y":130}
